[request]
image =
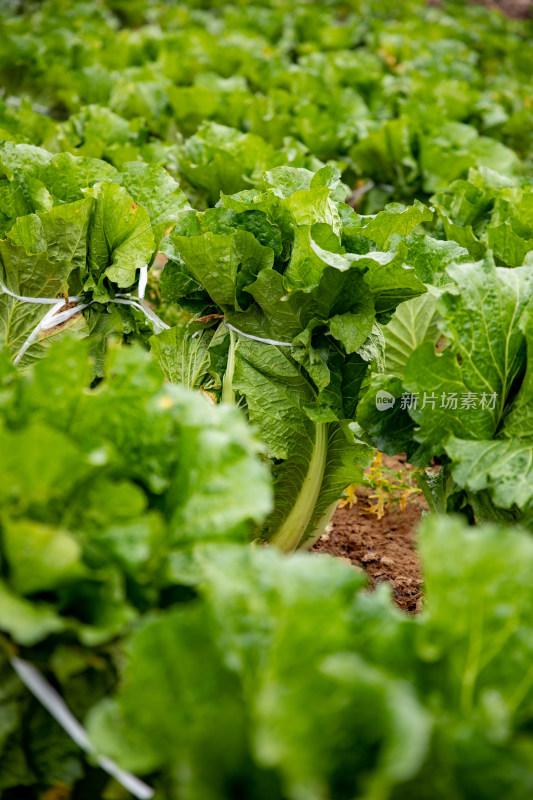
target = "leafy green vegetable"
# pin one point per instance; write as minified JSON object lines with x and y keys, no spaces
{"x":180,"y":653}
{"x":102,"y":488}
{"x":293,"y":268}
{"x":407,"y":101}
{"x":406,"y":705}
{"x":104,"y":494}
{"x":488,"y":211}
{"x":89,"y":239}
{"x":469,"y":403}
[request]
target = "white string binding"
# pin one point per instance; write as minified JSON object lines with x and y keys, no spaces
{"x":258,"y":338}
{"x":55,"y":317}
{"x":50,"y":699}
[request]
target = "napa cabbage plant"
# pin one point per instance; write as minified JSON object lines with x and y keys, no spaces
{"x":289,"y":290}
{"x":76,"y":228}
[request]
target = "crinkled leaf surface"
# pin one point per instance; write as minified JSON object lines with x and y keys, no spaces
{"x":120,"y":236}
{"x":486,"y":352}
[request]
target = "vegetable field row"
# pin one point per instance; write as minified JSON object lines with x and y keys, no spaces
{"x":243,"y":247}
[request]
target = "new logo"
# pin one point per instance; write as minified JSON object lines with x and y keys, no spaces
{"x":384,"y":400}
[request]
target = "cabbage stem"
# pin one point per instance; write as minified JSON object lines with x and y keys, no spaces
{"x":291,"y":532}
{"x":228,"y":395}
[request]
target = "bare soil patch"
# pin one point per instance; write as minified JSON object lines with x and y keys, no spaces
{"x":517,"y":9}
{"x":385,"y":548}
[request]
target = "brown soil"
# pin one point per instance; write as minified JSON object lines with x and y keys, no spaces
{"x":517,"y":9}
{"x":385,"y":548}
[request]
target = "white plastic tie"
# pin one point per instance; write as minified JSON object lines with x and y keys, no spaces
{"x":258,"y":338}
{"x":141,"y":305}
{"x":56,"y":706}
{"x":56,"y":317}
{"x":42,"y":325}
{"x":143,"y":280}
{"x":37,"y":300}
